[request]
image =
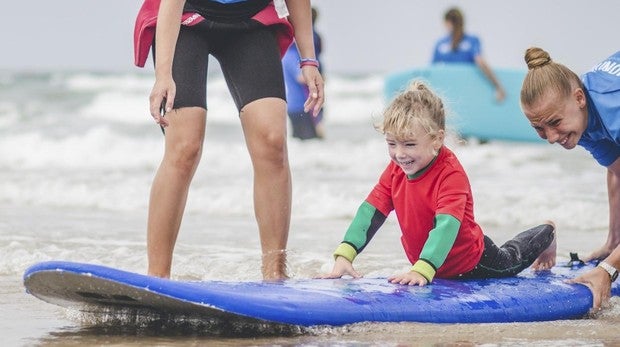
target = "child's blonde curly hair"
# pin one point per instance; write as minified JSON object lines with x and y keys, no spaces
{"x":417,"y":105}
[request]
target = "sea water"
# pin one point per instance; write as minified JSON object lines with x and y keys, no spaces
{"x":78,"y":152}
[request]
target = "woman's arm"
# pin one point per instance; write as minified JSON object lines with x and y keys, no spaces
{"x":613,"y":192}
{"x":500,"y":94}
{"x":168,"y":26}
{"x":598,"y":279}
{"x":300,"y":16}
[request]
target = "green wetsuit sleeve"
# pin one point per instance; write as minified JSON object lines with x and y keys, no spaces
{"x":363,"y":227}
{"x":439,"y":243}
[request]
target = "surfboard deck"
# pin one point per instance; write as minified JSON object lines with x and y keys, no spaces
{"x":541,"y":296}
{"x":470,"y":100}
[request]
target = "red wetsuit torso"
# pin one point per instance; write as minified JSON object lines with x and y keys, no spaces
{"x":442,"y":189}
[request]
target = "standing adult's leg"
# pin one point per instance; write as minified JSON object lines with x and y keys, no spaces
{"x":252,"y":67}
{"x":264,"y":127}
{"x":183,"y":148}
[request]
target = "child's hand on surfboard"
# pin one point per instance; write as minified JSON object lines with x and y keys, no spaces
{"x":411,"y":278}
{"x":342,"y":267}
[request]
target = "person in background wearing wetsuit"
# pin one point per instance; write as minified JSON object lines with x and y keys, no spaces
{"x":429,"y":190}
{"x":305,"y":126}
{"x":571,"y":111}
{"x":460,"y":47}
{"x":248,"y":38}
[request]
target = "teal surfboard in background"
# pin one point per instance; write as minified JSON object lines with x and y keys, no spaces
{"x":470,"y":100}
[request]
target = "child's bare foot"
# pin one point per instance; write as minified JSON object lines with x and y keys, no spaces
{"x":546,"y":259}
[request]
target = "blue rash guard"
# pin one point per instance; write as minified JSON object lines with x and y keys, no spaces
{"x":602,"y":135}
{"x":466,"y":52}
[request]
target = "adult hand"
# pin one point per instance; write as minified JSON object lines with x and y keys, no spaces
{"x":162,"y":99}
{"x":599,"y":283}
{"x":316,"y":95}
{"x":342,"y":267}
{"x":411,"y":278}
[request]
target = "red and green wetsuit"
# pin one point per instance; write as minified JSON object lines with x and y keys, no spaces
{"x":435,"y":211}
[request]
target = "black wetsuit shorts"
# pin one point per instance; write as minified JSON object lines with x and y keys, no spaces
{"x":247,"y":52}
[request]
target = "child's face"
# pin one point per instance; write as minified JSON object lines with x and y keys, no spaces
{"x":414,"y":153}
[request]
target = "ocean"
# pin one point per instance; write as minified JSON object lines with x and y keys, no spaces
{"x":78,"y":152}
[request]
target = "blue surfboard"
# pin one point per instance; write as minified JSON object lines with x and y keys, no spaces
{"x":470,"y":100}
{"x":541,"y":296}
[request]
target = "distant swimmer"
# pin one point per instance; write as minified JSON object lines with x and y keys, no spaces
{"x":460,"y":47}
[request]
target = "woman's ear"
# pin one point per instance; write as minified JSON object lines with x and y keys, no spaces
{"x":580,"y":97}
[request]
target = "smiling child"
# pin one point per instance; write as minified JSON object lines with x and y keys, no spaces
{"x":430,"y":193}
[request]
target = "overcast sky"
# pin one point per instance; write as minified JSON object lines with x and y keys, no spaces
{"x":359,"y":35}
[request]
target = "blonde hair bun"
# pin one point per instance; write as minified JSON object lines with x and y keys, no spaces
{"x":536,"y":57}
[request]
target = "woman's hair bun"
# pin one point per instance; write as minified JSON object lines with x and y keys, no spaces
{"x":536,"y":57}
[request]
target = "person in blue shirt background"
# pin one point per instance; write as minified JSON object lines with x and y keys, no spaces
{"x":570,"y":111}
{"x":304,"y":124}
{"x":460,"y":47}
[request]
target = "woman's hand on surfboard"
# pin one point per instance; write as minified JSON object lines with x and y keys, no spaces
{"x":342,"y":267}
{"x":411,"y":278}
{"x":599,"y":283}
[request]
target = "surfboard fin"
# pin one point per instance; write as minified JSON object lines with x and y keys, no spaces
{"x":574,"y":260}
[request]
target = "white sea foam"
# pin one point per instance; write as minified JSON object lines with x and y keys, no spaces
{"x":85,"y":142}
{"x":77,"y":189}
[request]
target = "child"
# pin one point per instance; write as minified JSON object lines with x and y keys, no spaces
{"x":427,"y":187}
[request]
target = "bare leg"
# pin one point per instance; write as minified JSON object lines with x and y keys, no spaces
{"x":264,"y":127}
{"x":184,"y":139}
{"x":546,"y":259}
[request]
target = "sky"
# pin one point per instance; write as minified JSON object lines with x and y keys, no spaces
{"x":360,"y":36}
